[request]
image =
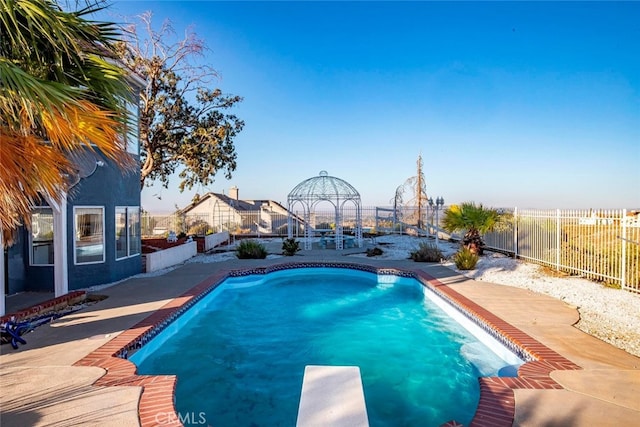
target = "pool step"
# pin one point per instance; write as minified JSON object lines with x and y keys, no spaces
{"x":332,"y":396}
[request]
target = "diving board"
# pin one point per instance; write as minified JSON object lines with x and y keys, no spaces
{"x":332,"y":396}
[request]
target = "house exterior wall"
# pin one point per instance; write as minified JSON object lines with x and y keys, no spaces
{"x":201,"y":212}
{"x":108,"y":187}
{"x":16,"y":277}
{"x":206,"y":208}
{"x":218,"y":214}
{"x":262,"y":216}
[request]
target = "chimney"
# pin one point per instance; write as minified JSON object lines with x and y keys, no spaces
{"x":233,"y":192}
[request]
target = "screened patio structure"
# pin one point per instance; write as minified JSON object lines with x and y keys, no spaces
{"x":325,"y":188}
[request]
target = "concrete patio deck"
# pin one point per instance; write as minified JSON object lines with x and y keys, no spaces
{"x":42,"y":385}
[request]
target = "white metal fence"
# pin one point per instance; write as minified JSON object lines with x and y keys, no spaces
{"x":275,"y":224}
{"x":602,"y":245}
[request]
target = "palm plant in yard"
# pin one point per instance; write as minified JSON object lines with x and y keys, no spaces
{"x":474,"y":220}
{"x":61,"y":93}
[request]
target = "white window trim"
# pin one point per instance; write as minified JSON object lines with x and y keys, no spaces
{"x":139,"y":231}
{"x":115,"y":237}
{"x":104,"y":241}
{"x":31,"y":264}
{"x":126,"y":231}
{"x":133,"y":109}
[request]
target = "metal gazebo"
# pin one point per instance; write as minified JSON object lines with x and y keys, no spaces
{"x":325,"y":188}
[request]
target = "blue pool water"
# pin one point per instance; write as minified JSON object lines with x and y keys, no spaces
{"x":240,"y":353}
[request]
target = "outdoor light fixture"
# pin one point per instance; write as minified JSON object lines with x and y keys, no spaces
{"x":437,"y":206}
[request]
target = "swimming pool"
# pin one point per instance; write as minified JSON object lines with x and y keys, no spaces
{"x":381,"y":322}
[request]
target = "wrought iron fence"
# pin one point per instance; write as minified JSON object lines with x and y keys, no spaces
{"x":602,"y":245}
{"x":236,"y":223}
{"x":267,"y":223}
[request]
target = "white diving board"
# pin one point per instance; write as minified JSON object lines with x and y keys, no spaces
{"x":332,"y":396}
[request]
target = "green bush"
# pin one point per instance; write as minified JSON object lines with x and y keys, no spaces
{"x":250,"y":249}
{"x":426,"y":252}
{"x":465,"y":259}
{"x":290,"y":247}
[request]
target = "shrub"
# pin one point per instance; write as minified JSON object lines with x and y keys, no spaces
{"x":374,"y":252}
{"x":290,"y":247}
{"x":198,"y":228}
{"x":474,"y":220}
{"x":465,"y":259}
{"x":426,"y":252}
{"x":250,"y":249}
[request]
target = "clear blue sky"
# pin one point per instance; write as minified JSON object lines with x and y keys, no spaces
{"x":510,"y":103}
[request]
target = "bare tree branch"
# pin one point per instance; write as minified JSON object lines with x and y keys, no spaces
{"x":183,"y":126}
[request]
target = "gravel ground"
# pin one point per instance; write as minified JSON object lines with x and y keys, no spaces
{"x":610,"y":314}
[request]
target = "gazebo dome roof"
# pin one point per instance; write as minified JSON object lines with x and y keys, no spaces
{"x":324,"y":187}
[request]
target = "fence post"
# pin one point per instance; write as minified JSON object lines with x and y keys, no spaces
{"x":515,"y":233}
{"x":558,"y":239}
{"x":623,"y":264}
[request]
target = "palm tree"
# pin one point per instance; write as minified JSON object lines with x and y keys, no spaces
{"x":474,"y":219}
{"x":61,"y":93}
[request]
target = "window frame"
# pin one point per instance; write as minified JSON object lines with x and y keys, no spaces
{"x":31,"y":261}
{"x":138,"y":231}
{"x":132,"y":133}
{"x":128,"y":210}
{"x":75,"y":238}
{"x":126,"y":232}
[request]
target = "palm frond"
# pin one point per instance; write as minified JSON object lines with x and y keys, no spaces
{"x":21,"y":92}
{"x":60,"y":92}
{"x":28,"y":168}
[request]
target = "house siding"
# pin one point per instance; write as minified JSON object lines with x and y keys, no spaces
{"x":107,"y":187}
{"x":16,"y":256}
{"x":224,"y":213}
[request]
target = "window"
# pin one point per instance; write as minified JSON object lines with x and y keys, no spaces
{"x":133,"y":126}
{"x":121,"y":233}
{"x":127,"y":231}
{"x":134,"y":231}
{"x":42,"y":236}
{"x":89,"y":235}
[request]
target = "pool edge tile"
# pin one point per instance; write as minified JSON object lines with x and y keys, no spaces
{"x":496,"y":406}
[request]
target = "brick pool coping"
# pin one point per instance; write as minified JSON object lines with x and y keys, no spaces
{"x":45,"y":307}
{"x":496,"y":406}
